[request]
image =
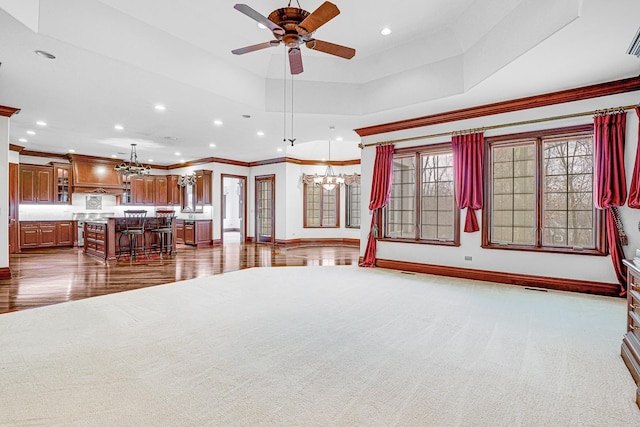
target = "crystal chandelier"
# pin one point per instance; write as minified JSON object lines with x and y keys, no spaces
{"x":185,"y":180}
{"x":330,"y":179}
{"x":133,"y":168}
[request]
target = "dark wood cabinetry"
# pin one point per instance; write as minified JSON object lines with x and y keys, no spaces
{"x":95,"y":239}
{"x":36,"y":184}
{"x":143,"y":190}
{"x":151,"y":190}
{"x":197,"y":232}
{"x":13,"y":207}
{"x":173,"y":191}
{"x":50,"y":184}
{"x":203,"y":187}
{"x":42,"y":234}
{"x":161,"y":192}
{"x":61,"y":183}
{"x":631,"y":342}
{"x":194,"y":232}
{"x":180,"y":231}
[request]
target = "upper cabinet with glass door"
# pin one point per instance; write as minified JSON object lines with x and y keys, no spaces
{"x":195,"y":197}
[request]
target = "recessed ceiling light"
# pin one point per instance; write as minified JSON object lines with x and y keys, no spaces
{"x":150,"y":160}
{"x":212,"y":145}
{"x":339,"y":138}
{"x":71,"y":150}
{"x":246,"y":116}
{"x":30,"y":132}
{"x":118,"y":127}
{"x":171,"y":138}
{"x":41,"y":123}
{"x":385,"y":31}
{"x":160,"y":107}
{"x":45,"y":54}
{"x":183,"y":161}
{"x":217,"y":122}
{"x":260,"y":133}
{"x":114,"y":156}
{"x":177,"y":153}
{"x":262,"y":26}
{"x":23,"y":140}
{"x":279,"y":150}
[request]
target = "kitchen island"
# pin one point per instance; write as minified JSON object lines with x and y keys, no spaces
{"x":102,"y":238}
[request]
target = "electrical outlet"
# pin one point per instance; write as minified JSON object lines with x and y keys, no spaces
{"x":468,"y":258}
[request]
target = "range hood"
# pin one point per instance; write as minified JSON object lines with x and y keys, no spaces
{"x":93,"y":175}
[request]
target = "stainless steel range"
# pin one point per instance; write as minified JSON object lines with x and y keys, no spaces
{"x":83,"y":217}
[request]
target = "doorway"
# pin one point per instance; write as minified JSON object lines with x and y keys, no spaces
{"x":233,"y":209}
{"x":265,"y":208}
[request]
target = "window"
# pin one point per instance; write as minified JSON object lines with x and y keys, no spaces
{"x":422,"y":204}
{"x":353,"y":204}
{"x":321,"y":206}
{"x":540,"y":190}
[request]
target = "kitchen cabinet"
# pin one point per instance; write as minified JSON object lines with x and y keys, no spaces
{"x":61,"y":183}
{"x":180,"y":231}
{"x":195,"y":197}
{"x":203,"y":187}
{"x":197,"y":232}
{"x":142,"y":190}
{"x":161,"y":192}
{"x":173,"y":190}
{"x":65,"y":233}
{"x":13,"y":207}
{"x":36,"y":184}
{"x":42,"y":234}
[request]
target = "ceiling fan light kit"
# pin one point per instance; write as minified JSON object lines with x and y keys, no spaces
{"x":293,"y":27}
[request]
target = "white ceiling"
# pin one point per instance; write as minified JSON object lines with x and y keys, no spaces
{"x":116,"y":59}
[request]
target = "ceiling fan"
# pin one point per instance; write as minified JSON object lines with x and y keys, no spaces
{"x":294,"y":26}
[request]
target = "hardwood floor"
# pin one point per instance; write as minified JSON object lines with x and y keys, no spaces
{"x":51,"y":276}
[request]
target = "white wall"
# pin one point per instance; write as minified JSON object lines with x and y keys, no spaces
{"x":579,"y":267}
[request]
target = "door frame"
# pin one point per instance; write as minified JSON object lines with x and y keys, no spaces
{"x":271,"y":178}
{"x":243,"y":197}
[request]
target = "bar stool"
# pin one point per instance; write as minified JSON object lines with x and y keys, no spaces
{"x":134,"y":231}
{"x":164,"y":230}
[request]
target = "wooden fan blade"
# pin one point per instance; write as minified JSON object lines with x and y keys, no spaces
{"x":295,"y":60}
{"x":243,"y":50}
{"x":256,"y":16}
{"x":331,"y":48}
{"x":323,"y":14}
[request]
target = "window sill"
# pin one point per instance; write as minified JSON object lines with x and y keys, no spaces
{"x":555,"y":250}
{"x":421,"y":242}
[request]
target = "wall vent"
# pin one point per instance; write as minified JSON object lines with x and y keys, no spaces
{"x":634,"y":47}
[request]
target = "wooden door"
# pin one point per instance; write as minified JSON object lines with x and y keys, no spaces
{"x":180,"y":231}
{"x":28,"y":185}
{"x":190,"y":232}
{"x":265,"y":208}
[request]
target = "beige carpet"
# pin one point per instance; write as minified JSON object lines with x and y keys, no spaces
{"x":319,"y":346}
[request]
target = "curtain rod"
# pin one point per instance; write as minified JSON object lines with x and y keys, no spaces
{"x":503,"y":125}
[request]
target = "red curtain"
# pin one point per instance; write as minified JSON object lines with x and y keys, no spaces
{"x":467,"y":170}
{"x":380,"y":191}
{"x":609,"y":182}
{"x":634,"y":190}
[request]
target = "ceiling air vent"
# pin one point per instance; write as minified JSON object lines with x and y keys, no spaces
{"x":634,"y":47}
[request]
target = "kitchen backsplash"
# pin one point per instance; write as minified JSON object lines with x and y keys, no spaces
{"x":82,"y":202}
